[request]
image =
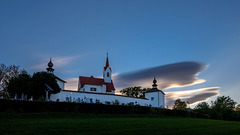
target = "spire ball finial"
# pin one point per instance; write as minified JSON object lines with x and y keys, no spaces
{"x":154,"y":82}
{"x":50,"y":64}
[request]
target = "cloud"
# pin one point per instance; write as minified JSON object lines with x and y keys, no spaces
{"x":192,"y":96}
{"x":57,"y":61}
{"x":72,"y":84}
{"x":168,"y":76}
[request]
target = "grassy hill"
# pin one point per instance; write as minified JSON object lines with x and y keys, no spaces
{"x":109,"y":124}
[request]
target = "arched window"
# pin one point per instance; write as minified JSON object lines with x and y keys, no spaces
{"x":107,"y":74}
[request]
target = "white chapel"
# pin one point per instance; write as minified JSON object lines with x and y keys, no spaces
{"x":102,"y":90}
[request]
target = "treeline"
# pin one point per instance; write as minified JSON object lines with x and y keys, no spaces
{"x":18,"y":84}
{"x":20,"y":106}
{"x":223,"y":108}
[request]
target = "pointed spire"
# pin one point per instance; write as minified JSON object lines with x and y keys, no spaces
{"x":107,"y":63}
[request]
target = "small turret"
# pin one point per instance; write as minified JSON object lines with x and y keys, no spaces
{"x":156,"y":97}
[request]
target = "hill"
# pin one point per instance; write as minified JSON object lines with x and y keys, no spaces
{"x":110,"y":124}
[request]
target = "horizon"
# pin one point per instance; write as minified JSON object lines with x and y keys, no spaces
{"x":191,"y":47}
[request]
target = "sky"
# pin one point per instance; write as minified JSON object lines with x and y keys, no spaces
{"x":192,"y":47}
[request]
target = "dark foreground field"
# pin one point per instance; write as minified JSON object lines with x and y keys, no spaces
{"x":74,"y":123}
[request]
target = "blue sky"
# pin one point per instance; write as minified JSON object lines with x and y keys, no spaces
{"x":137,"y":34}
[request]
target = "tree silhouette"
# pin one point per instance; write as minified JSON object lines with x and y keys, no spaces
{"x":222,"y":107}
{"x":180,"y":105}
{"x":39,"y":88}
{"x":21,"y":84}
{"x":202,"y":107}
{"x":136,"y":91}
{"x":6,"y":73}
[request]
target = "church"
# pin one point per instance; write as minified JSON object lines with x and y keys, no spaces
{"x":102,"y":91}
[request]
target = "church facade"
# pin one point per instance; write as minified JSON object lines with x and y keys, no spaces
{"x":102,"y":90}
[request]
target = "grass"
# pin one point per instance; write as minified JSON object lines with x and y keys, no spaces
{"x":88,"y":124}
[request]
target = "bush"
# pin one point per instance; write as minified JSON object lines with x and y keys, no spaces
{"x":38,"y":106}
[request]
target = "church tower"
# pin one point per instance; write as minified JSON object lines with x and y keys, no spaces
{"x":107,"y":72}
{"x":156,"y":97}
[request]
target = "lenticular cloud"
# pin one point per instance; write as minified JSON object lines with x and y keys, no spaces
{"x":172,"y":75}
{"x":168,"y":76}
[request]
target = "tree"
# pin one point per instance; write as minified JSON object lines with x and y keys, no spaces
{"x":21,"y":84}
{"x":6,"y":73}
{"x":40,"y":79}
{"x":136,"y":91}
{"x":222,"y":107}
{"x":202,"y":107}
{"x":180,"y":105}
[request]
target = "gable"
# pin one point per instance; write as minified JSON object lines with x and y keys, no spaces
{"x":95,"y":81}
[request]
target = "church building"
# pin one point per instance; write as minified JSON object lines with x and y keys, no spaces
{"x":98,"y":85}
{"x":102,"y":90}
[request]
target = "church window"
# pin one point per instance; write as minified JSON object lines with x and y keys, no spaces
{"x":93,"y":89}
{"x":152,"y":98}
{"x":107,"y":74}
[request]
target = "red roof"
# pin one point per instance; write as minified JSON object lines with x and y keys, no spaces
{"x":107,"y":64}
{"x":96,"y":81}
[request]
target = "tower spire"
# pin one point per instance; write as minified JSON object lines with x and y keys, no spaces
{"x":107,"y":72}
{"x":50,"y":65}
{"x":154,"y":83}
{"x":107,"y":63}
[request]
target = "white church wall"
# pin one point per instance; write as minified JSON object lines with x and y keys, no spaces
{"x":112,"y":92}
{"x":107,"y":78}
{"x":72,"y":96}
{"x":156,"y":99}
{"x":103,"y":89}
{"x":162,"y":103}
{"x":90,"y":88}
